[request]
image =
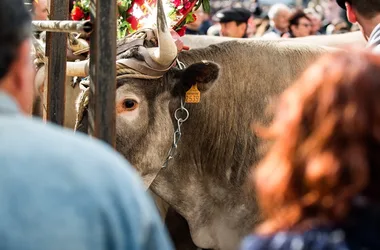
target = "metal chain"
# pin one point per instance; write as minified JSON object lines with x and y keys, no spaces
{"x":182,"y":111}
{"x":181,"y":115}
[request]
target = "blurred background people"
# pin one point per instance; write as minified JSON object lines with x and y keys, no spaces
{"x":40,"y":10}
{"x":326,"y":17}
{"x":233,"y":22}
{"x":318,"y":186}
{"x":299,"y":24}
{"x":278,"y":20}
{"x":200,"y":25}
{"x":316,"y":22}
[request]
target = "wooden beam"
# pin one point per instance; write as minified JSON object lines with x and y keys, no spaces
{"x":56,"y":49}
{"x":101,"y":111}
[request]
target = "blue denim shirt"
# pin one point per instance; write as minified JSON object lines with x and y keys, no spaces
{"x":60,"y":191}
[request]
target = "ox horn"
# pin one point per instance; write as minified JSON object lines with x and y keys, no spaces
{"x":167,"y":50}
{"x":80,"y":69}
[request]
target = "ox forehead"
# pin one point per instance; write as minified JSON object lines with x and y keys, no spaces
{"x":205,"y":182}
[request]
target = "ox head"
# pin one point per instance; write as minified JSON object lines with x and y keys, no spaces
{"x":147,"y":98}
{"x":144,"y":119}
{"x":145,"y":109}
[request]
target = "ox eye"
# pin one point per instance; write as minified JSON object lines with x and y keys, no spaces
{"x":130,"y":104}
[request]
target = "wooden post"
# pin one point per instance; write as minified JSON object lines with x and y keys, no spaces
{"x":101,"y":112}
{"x":56,"y":49}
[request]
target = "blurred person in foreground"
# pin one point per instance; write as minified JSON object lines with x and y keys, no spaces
{"x":279,"y":15}
{"x":299,"y":25}
{"x":367,"y":14}
{"x":319,"y":185}
{"x":59,"y":190}
{"x":233,"y":22}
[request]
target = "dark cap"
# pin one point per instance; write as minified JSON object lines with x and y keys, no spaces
{"x":341,"y":3}
{"x":233,"y":14}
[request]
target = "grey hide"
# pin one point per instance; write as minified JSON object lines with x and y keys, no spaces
{"x":207,"y":182}
{"x":336,"y":40}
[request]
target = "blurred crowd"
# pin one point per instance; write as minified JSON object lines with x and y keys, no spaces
{"x":244,"y":19}
{"x":258,"y":18}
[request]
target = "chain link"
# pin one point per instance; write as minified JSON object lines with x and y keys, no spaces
{"x":181,"y":115}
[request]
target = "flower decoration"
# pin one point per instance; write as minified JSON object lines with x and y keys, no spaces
{"x":81,"y":10}
{"x":134,"y":14}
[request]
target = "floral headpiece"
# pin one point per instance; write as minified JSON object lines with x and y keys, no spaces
{"x":133,"y":14}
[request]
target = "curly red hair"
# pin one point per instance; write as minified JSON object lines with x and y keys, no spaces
{"x":326,"y":144}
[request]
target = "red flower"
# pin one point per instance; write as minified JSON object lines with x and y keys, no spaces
{"x":129,"y":11}
{"x":176,"y":3}
{"x":182,"y":31}
{"x":186,"y":8}
{"x":187,"y":5}
{"x":194,"y":17}
{"x":77,"y":14}
{"x":133,"y":21}
{"x":183,"y":11}
{"x":139,"y":2}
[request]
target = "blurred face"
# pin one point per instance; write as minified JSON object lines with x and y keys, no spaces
{"x":315,"y":24}
{"x":251,"y":30}
{"x":281,"y":20}
{"x":231,"y":29}
{"x":302,"y":29}
{"x":41,"y":10}
{"x":200,"y":17}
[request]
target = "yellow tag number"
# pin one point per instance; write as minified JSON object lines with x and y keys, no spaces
{"x":193,"y":95}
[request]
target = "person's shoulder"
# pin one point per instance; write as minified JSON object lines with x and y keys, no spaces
{"x":49,"y":134}
{"x":318,"y":238}
{"x":30,"y":139}
{"x":83,"y":173}
{"x":73,"y":159}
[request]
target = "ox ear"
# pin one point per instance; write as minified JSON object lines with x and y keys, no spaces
{"x":203,"y":73}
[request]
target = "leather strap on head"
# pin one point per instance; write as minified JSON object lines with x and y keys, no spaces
{"x":138,"y":41}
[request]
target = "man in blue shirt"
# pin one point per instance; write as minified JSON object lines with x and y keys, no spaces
{"x":59,"y":190}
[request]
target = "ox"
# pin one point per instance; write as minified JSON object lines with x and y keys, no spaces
{"x":206,"y":181}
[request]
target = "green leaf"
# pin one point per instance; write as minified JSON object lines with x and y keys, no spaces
{"x":172,"y":14}
{"x":206,"y":6}
{"x":189,"y":18}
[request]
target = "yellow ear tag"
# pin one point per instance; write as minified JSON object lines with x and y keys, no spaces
{"x":193,"y":95}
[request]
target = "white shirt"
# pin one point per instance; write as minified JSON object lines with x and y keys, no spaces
{"x":374,"y":39}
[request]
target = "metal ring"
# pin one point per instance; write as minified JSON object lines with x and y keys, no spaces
{"x":180,"y":119}
{"x":181,"y":65}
